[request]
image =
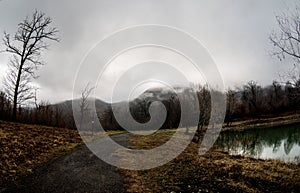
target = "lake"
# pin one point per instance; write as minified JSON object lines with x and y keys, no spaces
{"x":280,"y":142}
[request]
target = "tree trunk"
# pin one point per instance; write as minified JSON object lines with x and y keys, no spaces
{"x":14,"y":115}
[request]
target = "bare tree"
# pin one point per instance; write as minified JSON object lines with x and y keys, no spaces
{"x":287,"y":41}
{"x":5,"y":106}
{"x":26,"y":46}
{"x":230,"y":103}
{"x":204,"y":99}
{"x":84,"y":104}
{"x":252,"y":94}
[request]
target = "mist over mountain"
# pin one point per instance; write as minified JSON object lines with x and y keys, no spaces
{"x":138,"y":108}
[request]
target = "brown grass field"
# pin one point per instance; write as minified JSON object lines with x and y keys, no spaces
{"x":215,"y":171}
{"x":23,"y":148}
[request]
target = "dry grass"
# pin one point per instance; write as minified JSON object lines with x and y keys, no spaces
{"x":24,"y":147}
{"x":215,"y":171}
{"x":88,"y":136}
{"x":263,"y":122}
{"x":148,"y":142}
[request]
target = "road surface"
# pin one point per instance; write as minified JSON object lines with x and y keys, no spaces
{"x":79,"y":171}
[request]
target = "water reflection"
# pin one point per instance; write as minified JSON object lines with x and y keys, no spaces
{"x":270,"y":143}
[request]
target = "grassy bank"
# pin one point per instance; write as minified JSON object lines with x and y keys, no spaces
{"x":215,"y":171}
{"x":23,"y":148}
{"x":264,"y":122}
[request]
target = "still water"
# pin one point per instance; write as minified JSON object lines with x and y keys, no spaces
{"x":281,"y":142}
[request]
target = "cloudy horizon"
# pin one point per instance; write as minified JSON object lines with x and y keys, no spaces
{"x":235,"y":33}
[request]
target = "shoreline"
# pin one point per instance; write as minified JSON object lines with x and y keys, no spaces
{"x":263,"y":123}
{"x":214,"y":171}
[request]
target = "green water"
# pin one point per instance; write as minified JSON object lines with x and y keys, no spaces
{"x":281,"y":142}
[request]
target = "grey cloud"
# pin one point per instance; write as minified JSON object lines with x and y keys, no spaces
{"x":235,"y":33}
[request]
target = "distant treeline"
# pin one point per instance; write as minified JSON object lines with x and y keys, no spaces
{"x":42,"y":114}
{"x":249,"y":101}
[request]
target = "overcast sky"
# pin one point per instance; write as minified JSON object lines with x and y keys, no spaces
{"x":234,"y":32}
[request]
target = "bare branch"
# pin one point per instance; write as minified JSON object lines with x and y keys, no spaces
{"x":26,"y":45}
{"x":286,"y":41}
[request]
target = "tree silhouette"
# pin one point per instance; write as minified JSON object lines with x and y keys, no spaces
{"x":26,"y":47}
{"x":286,"y":42}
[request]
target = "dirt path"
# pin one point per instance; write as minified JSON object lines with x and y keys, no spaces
{"x":79,"y":171}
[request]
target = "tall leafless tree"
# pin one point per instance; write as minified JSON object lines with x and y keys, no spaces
{"x":84,"y":104}
{"x":204,"y":99}
{"x":252,"y":94}
{"x":26,"y":47}
{"x":230,"y":103}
